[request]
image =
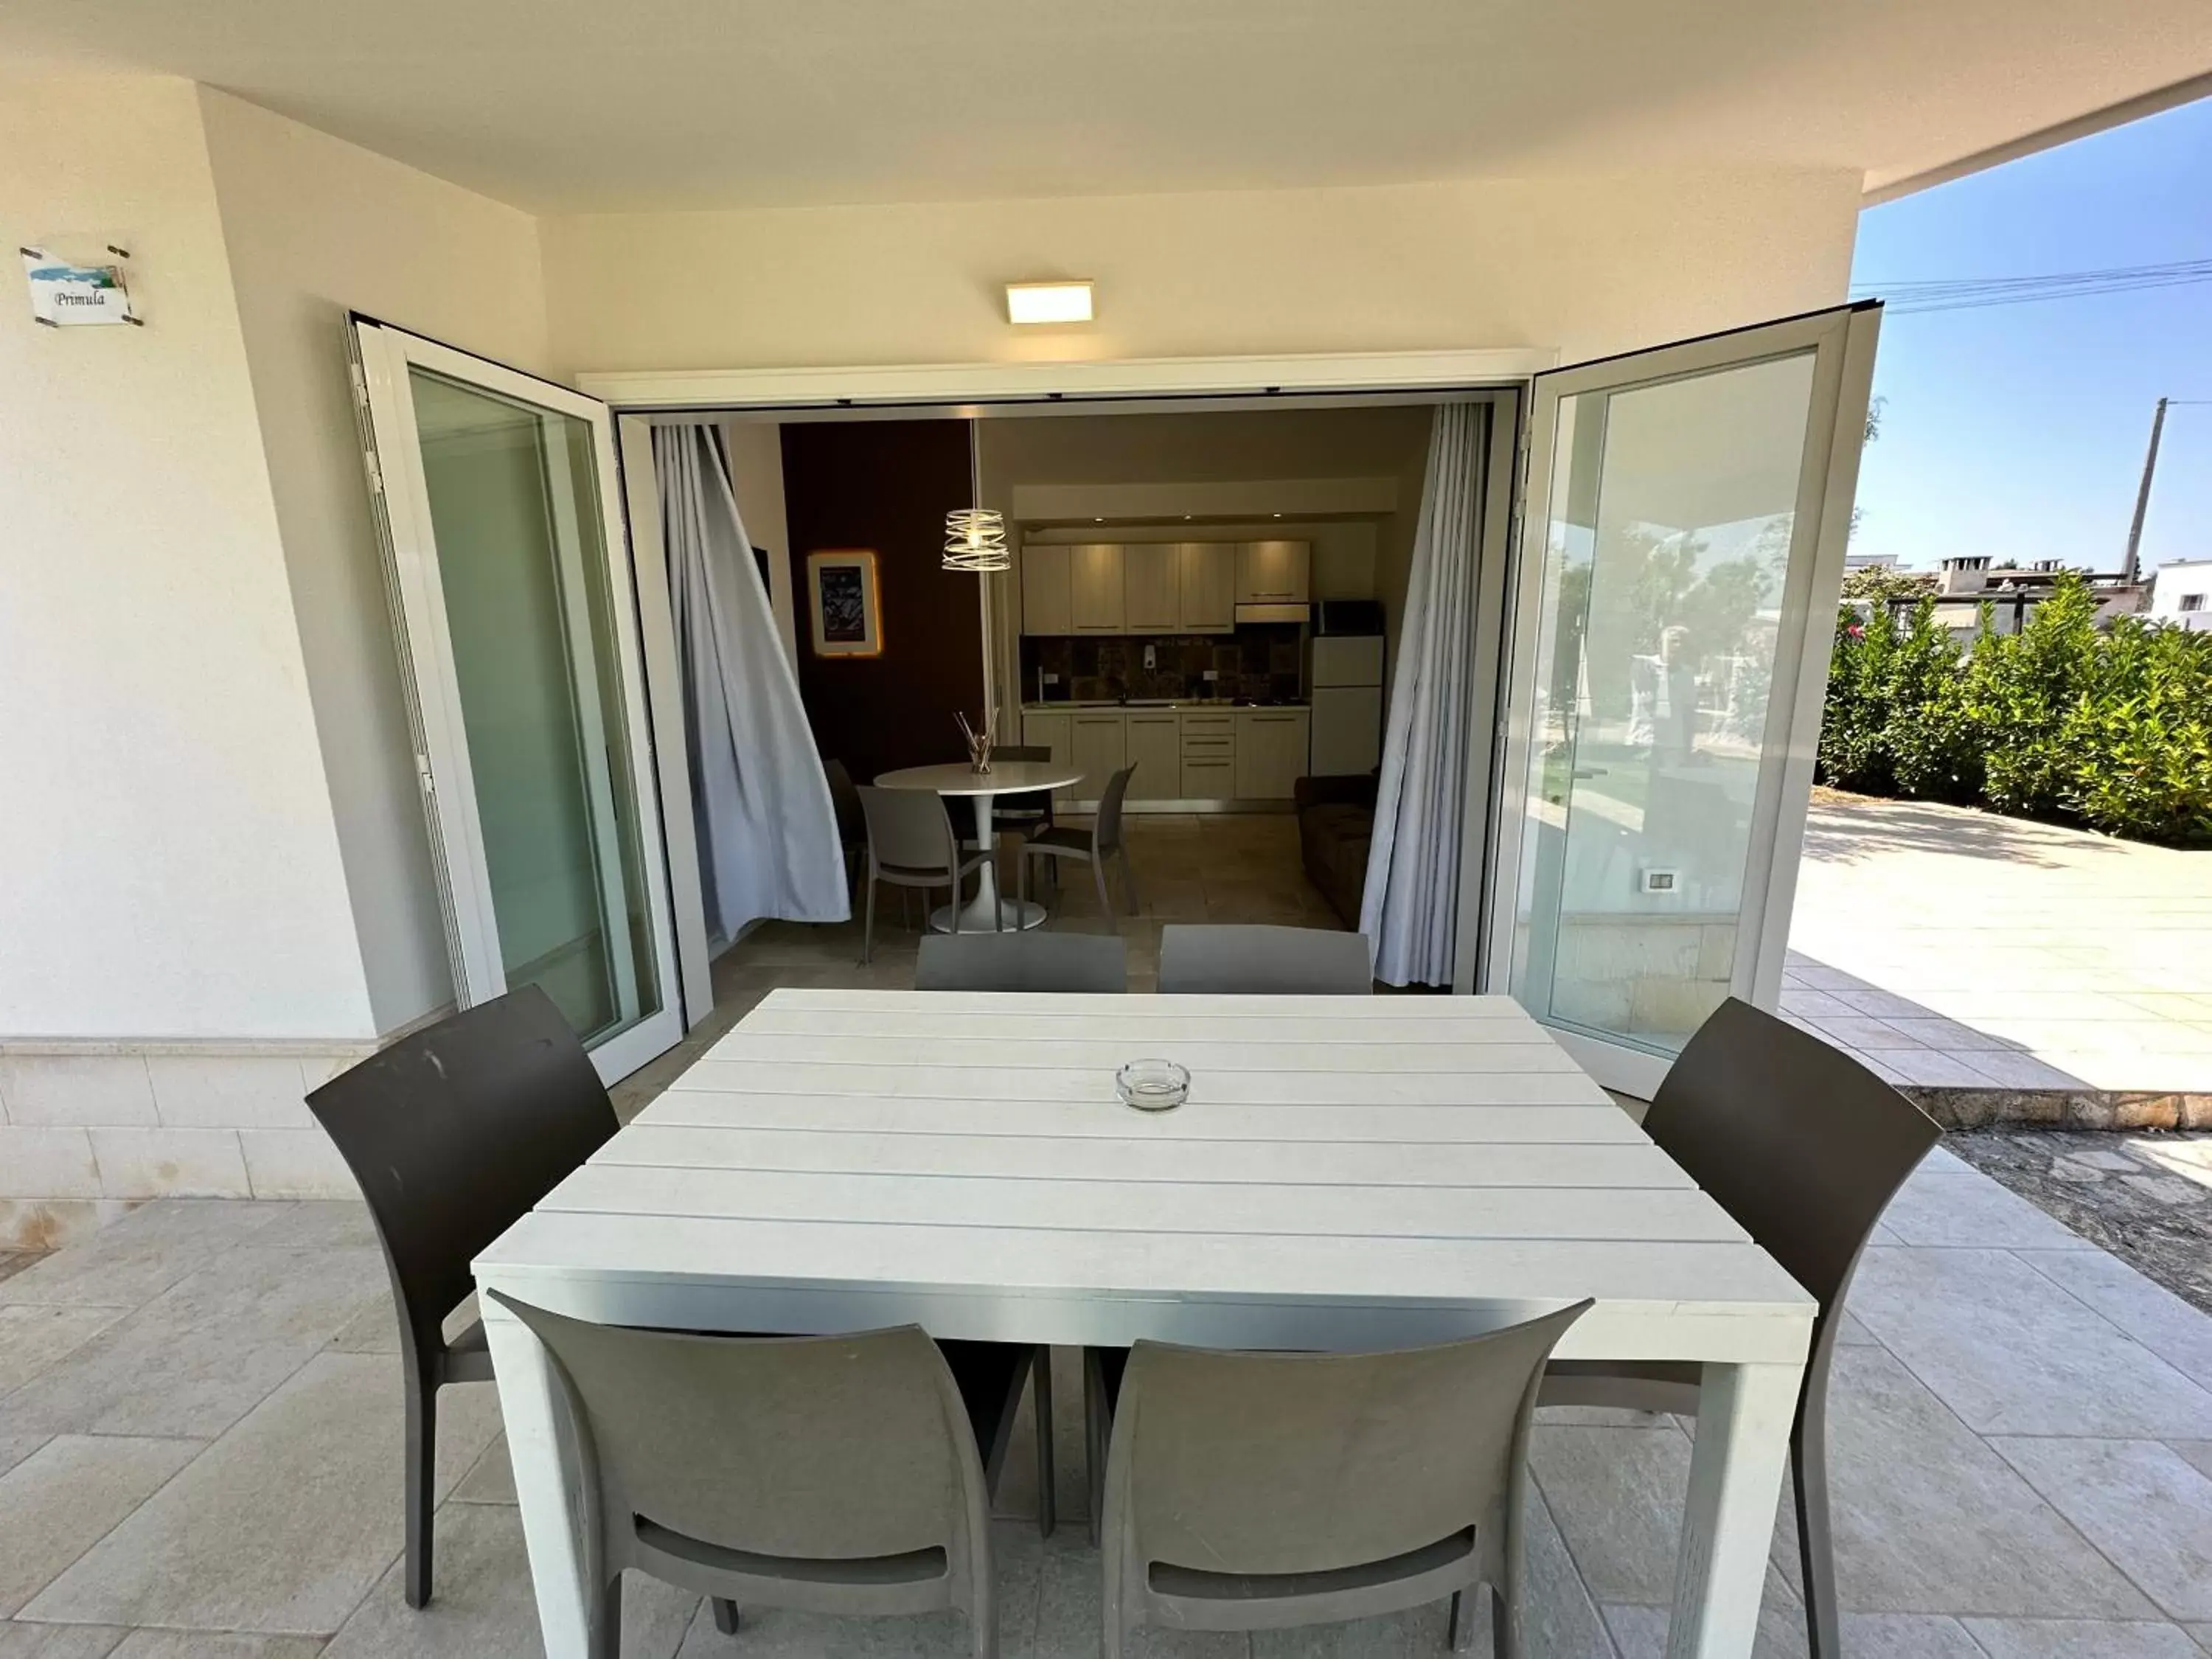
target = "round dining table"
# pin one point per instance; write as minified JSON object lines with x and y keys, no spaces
{"x":987,"y":910}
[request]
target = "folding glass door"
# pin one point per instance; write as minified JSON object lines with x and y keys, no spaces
{"x":1681,"y":545}
{"x":511,"y":587}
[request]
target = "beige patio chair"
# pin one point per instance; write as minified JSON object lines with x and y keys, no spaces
{"x":1260,"y":1491}
{"x":911,"y":844}
{"x":1093,"y":845}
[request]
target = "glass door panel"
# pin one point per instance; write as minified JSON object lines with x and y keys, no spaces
{"x":1678,"y":522}
{"x":520,"y":639}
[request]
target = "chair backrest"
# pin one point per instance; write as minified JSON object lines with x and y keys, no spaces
{"x":1273,"y":961}
{"x":1272,"y":1463}
{"x":1036,"y":961}
{"x":845,"y":802}
{"x":1106,"y":835}
{"x":454,"y":1131}
{"x":1799,"y":1142}
{"x":910,"y":829}
{"x":805,"y":1448}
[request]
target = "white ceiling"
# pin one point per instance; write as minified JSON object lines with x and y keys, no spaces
{"x":611,"y":104}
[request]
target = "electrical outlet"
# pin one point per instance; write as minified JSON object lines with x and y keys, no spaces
{"x":1660,"y":881}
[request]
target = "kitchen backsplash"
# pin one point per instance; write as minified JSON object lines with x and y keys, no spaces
{"x":1262,"y":661}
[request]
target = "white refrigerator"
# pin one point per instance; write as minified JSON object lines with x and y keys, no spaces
{"x":1347,"y":703}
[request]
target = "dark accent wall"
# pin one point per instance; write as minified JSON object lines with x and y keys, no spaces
{"x":886,"y":485}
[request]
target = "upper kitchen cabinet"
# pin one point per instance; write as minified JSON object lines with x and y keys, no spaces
{"x":1274,"y":573}
{"x":1095,"y":588}
{"x":1152,"y":601}
{"x":1047,"y":597}
{"x":1206,"y":582}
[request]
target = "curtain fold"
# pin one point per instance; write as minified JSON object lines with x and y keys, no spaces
{"x":768,"y":833}
{"x":1409,"y":910}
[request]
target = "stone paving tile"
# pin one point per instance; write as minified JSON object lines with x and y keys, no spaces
{"x":137,"y":1256}
{"x":198,"y":1357}
{"x":215,"y":1645}
{"x":2073,"y":1638}
{"x":57,"y":1641}
{"x":1965,"y":1209}
{"x":2146,"y":1508}
{"x":13,"y":1262}
{"x":14,"y":1448}
{"x":1927,"y":1519}
{"x":66,"y":1495}
{"x":483,"y":1607}
{"x":34,"y":1335}
{"x":2169,"y":1327}
{"x":284,"y":1523}
{"x":2013,"y":1353}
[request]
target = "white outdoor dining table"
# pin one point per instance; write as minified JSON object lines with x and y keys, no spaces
{"x":1348,"y":1173}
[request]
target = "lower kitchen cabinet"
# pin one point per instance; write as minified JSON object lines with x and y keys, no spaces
{"x":1098,"y":750}
{"x":1271,"y":752}
{"x":1051,"y":731}
{"x":1153,"y":745}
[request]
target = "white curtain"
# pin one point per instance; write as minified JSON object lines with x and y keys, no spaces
{"x":767,"y":835}
{"x":1410,"y":908}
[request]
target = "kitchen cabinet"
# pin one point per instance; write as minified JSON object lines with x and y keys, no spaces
{"x":1209,"y":755}
{"x":1048,"y":600}
{"x":1274,"y":573}
{"x":1152,"y":743}
{"x":1271,"y":752}
{"x":1205,"y":583}
{"x":1051,"y":731}
{"x":1095,"y":587}
{"x":1152,"y":598}
{"x":1097,"y":749}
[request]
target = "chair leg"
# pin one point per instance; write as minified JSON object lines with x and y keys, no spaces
{"x":1047,"y":1465}
{"x":1094,"y":1442}
{"x":868,"y":927}
{"x":1129,"y":878}
{"x":1105,"y":899}
{"x":1808,"y":1469}
{"x":1505,"y":1616}
{"x":725,"y":1615}
{"x":1462,"y":1624}
{"x":422,"y":1460}
{"x":606,"y":1624}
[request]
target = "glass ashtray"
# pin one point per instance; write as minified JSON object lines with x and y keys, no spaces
{"x":1152,"y":1085}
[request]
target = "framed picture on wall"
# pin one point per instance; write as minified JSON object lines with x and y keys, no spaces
{"x":842,"y":594}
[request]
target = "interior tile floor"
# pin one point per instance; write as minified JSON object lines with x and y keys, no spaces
{"x":200,"y":1435}
{"x":1952,"y":948}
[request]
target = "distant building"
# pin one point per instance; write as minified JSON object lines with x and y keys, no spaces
{"x":1870,"y":561}
{"x":1967,"y":581}
{"x":2181,"y":593}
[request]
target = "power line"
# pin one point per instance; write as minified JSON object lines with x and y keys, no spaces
{"x":1905,"y":298}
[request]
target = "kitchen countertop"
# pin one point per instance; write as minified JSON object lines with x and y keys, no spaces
{"x":1212,"y":705}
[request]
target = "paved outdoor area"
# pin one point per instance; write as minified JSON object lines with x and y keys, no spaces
{"x":200,"y":1433}
{"x":1957,"y":949}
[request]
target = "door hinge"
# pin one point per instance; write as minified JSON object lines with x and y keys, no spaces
{"x":360,"y":385}
{"x":423,"y":776}
{"x":375,"y":472}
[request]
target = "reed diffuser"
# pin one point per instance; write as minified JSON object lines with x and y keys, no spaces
{"x":979,"y":742}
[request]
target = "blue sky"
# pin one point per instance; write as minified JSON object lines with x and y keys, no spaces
{"x":2019,"y":431}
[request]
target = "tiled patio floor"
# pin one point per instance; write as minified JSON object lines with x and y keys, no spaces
{"x":200,"y":1431}
{"x":1952,"y":948}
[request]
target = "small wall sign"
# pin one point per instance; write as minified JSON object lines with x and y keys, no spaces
{"x":65,"y":295}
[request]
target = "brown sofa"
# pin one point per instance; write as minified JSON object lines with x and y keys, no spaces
{"x":1336,"y":826}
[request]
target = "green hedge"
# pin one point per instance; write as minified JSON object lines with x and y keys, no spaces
{"x":2109,"y":728}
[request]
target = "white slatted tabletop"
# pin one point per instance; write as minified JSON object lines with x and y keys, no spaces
{"x":1348,"y":1172}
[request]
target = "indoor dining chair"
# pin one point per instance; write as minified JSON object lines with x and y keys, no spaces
{"x":1270,"y":961}
{"x":453,"y":1133}
{"x":835,"y":1474}
{"x":1260,"y":1490}
{"x":1027,"y":813}
{"x":1094,"y":846}
{"x":911,"y":844}
{"x":1804,"y":1147}
{"x":1032,"y":961}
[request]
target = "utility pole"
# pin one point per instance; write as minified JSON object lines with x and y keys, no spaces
{"x":2142,"y":494}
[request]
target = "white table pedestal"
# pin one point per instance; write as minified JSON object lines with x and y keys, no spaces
{"x":977,"y":916}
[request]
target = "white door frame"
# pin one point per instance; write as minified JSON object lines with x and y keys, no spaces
{"x":385,"y":354}
{"x":1843,"y":340}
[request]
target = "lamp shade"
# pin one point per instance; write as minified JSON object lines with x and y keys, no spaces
{"x":975,"y":540}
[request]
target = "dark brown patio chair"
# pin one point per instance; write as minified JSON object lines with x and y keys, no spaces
{"x":1805,"y":1147}
{"x":453,"y":1133}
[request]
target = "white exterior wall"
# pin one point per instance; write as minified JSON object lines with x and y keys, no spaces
{"x":315,"y":228}
{"x":169,"y":868}
{"x":2179,"y":580}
